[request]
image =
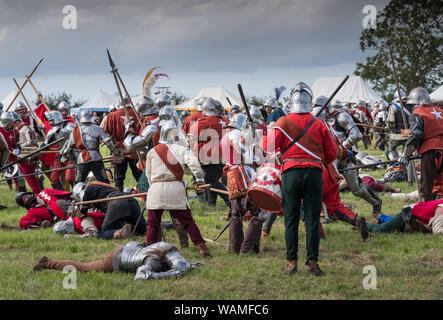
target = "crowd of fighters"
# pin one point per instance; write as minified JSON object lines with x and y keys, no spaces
{"x":262,"y":162}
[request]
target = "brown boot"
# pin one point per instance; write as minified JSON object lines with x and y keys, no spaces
{"x":41,"y":264}
{"x":204,"y":250}
{"x":264,"y":234}
{"x":361,"y":224}
{"x":291,"y":268}
{"x":314,"y":268}
{"x":123,"y":233}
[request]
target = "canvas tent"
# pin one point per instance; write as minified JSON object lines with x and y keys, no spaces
{"x":7,"y":100}
{"x":354,"y":89}
{"x":217,"y":93}
{"x":101,"y":102}
{"x":437,"y":95}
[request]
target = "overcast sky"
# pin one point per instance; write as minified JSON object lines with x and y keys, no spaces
{"x":261,"y":44}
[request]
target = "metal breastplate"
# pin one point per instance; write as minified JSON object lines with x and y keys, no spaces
{"x":90,"y":136}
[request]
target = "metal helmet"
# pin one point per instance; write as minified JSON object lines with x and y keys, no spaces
{"x":219,"y":107}
{"x":198,"y":103}
{"x":16,"y":116}
{"x":20,"y":106}
{"x":383,"y":106}
{"x":146,"y":107}
{"x":85,"y":116}
{"x":360,"y":103}
{"x":169,"y":125}
{"x":210,"y":108}
{"x":78,"y":191}
{"x":320,"y":101}
{"x":20,"y":201}
{"x":322,"y":115}
{"x":301,"y":99}
{"x":335,"y":106}
{"x":161,"y":101}
{"x":238,"y":121}
{"x":113,"y":107}
{"x":402,"y":95}
{"x":255,"y":113}
{"x":419,"y":96}
{"x":6,"y":119}
{"x":271,"y":102}
{"x":54,"y":118}
{"x":168,"y":113}
{"x":235,"y":108}
{"x":184,"y":114}
{"x":63,"y":106}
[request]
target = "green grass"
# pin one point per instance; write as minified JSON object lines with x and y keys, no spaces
{"x":409,"y":266}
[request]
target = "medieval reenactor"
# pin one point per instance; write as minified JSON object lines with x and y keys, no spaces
{"x":121,"y":215}
{"x":156,"y":261}
{"x":84,"y":141}
{"x":426,"y":136}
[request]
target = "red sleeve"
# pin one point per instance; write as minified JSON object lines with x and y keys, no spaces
{"x":33,"y":215}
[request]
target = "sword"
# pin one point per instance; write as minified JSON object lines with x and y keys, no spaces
{"x":375,"y":164}
{"x":222,"y":230}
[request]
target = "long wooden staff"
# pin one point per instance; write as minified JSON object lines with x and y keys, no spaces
{"x":31,"y":111}
{"x":114,"y":71}
{"x":24,"y":84}
{"x":403,"y":113}
{"x":129,"y":196}
{"x":375,"y":164}
{"x":38,"y":93}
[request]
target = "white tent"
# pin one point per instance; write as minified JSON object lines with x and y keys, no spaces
{"x":437,"y":95}
{"x":101,"y":102}
{"x":7,"y":100}
{"x":217,"y":93}
{"x":353,"y":90}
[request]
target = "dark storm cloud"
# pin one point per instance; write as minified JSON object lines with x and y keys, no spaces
{"x":188,"y":35}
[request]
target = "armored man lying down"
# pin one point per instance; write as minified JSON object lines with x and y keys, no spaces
{"x":158,"y":260}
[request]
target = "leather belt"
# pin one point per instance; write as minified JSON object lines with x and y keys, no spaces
{"x":302,"y":159}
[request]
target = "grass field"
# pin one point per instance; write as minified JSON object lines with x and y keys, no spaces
{"x":408,"y":266}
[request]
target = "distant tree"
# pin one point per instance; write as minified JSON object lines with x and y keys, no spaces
{"x":414,"y":29}
{"x":256,"y":101}
{"x":178,"y":97}
{"x":53,"y":100}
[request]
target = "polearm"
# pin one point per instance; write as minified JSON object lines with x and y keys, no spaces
{"x":332,"y":96}
{"x":371,"y":126}
{"x":114,"y":71}
{"x":375,"y":164}
{"x":31,"y":111}
{"x":38,"y":93}
{"x":31,"y":154}
{"x":48,"y":171}
{"x":24,"y":84}
{"x":403,"y":113}
{"x":229,"y":101}
{"x":129,"y":196}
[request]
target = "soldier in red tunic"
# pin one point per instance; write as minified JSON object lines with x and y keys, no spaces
{"x":426,"y":136}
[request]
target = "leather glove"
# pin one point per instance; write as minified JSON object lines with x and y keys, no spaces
{"x":197,"y":187}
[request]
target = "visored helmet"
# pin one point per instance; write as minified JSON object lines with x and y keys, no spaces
{"x":146,"y":107}
{"x":54,"y":118}
{"x":301,"y":99}
{"x":161,"y":101}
